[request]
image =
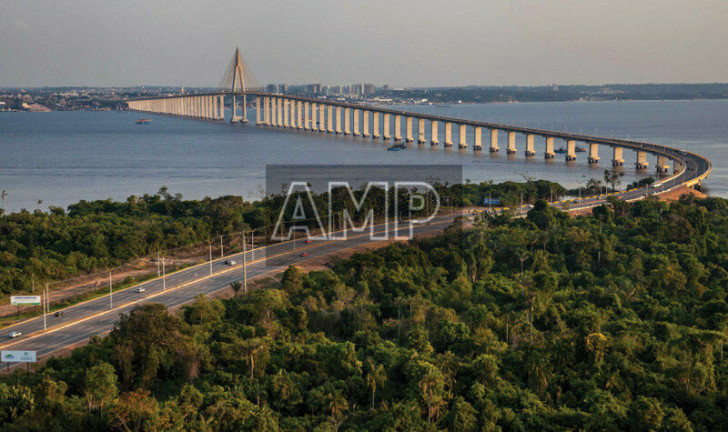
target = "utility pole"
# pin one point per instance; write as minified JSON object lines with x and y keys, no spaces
{"x":245,"y":268}
{"x":210,"y":244}
{"x":222,"y":253}
{"x":164,"y":276}
{"x":111,"y":293}
{"x":157,"y":263}
{"x":45,"y":308}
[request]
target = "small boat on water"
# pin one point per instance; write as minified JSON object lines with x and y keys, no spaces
{"x":580,"y":149}
{"x":397,"y":147}
{"x":560,"y":150}
{"x":144,"y":121}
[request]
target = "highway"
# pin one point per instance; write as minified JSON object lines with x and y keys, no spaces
{"x":95,"y":317}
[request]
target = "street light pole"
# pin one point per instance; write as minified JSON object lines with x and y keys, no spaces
{"x":210,"y":244}
{"x":164,"y":276}
{"x":45,"y":308}
{"x":111,"y":293}
{"x":222,"y":253}
{"x":245,"y":268}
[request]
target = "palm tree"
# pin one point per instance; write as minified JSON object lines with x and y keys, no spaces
{"x":236,"y":286}
{"x":428,"y":385}
{"x":375,"y":376}
{"x":338,"y":404}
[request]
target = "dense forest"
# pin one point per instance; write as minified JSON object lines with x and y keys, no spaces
{"x":100,"y":234}
{"x":614,"y":321}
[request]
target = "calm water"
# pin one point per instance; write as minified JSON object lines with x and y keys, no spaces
{"x":63,"y":157}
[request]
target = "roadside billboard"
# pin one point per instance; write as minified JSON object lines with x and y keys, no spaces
{"x":18,"y":356}
{"x":24,"y":300}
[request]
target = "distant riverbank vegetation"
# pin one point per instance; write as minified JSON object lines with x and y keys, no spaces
{"x":615,"y":321}
{"x":59,"y":244}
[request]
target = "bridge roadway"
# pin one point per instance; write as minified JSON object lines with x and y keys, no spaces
{"x":94,"y":317}
{"x":701,"y":165}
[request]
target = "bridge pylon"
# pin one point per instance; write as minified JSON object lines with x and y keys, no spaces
{"x":237,"y":79}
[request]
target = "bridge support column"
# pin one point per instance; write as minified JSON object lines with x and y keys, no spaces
{"x":408,"y":130}
{"x":511,"y":143}
{"x":266,"y":111}
{"x":421,"y":131}
{"x":434,"y":138}
{"x":570,"y":150}
{"x":322,"y":118}
{"x":356,"y":122}
{"x":347,"y":121}
{"x":299,"y":115}
{"x":365,"y":124}
{"x":478,"y":139}
{"x":549,"y":153}
{"x":463,"y":137}
{"x":593,"y":153}
{"x":530,"y":150}
{"x":258,"y":119}
{"x":663,"y":164}
{"x":375,"y":124}
{"x":330,"y":120}
{"x":448,"y":134}
{"x":641,"y":160}
{"x":306,"y":116}
{"x":397,"y":128}
{"x":617,"y":159}
{"x":338,"y":120}
{"x":494,"y":141}
{"x":286,"y":113}
{"x":385,"y":132}
{"x":314,"y":117}
{"x":274,"y":112}
{"x":294,"y":113}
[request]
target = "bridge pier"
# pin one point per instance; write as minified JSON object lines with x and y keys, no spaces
{"x":448,"y":134}
{"x":530,"y":150}
{"x":478,"y":138}
{"x":663,"y":165}
{"x":299,"y":115}
{"x":409,"y":138}
{"x":347,"y":121}
{"x":294,"y":113}
{"x":463,"y":137}
{"x":356,"y":122}
{"x":385,"y":121}
{"x":641,"y":160}
{"x":549,"y":153}
{"x":511,"y":143}
{"x":397,"y":128}
{"x":570,"y":150}
{"x":434,"y":139}
{"x":593,"y":153}
{"x":494,"y":141}
{"x":258,"y":119}
{"x":365,"y":124}
{"x":617,"y":159}
{"x":421,"y":131}
{"x":322,"y":118}
{"x":314,"y":117}
{"x":306,"y":116}
{"x":375,"y":124}
{"x":330,"y":120}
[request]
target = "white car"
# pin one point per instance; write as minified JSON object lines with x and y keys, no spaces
{"x":230,"y":262}
{"x":15,"y":334}
{"x":140,"y":290}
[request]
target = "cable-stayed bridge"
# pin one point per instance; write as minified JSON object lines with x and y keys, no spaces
{"x":373,"y":122}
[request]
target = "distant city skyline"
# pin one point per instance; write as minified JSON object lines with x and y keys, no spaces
{"x":403,"y":43}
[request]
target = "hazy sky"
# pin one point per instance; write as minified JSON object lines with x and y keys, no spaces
{"x":399,"y":42}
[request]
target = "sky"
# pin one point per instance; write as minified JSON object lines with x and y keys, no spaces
{"x":397,"y":42}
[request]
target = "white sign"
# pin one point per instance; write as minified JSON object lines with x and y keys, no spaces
{"x":18,"y":356}
{"x":24,"y":300}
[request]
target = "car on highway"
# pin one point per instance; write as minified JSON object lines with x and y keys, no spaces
{"x":58,"y":314}
{"x":308,"y":241}
{"x":140,"y":290}
{"x":14,"y":334}
{"x":230,"y":262}
{"x":304,"y":254}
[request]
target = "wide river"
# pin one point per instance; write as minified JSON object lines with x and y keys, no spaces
{"x":62,"y":157}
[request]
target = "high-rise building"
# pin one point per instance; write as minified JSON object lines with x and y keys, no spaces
{"x":271,"y":88}
{"x":283,"y":88}
{"x":369,"y":89}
